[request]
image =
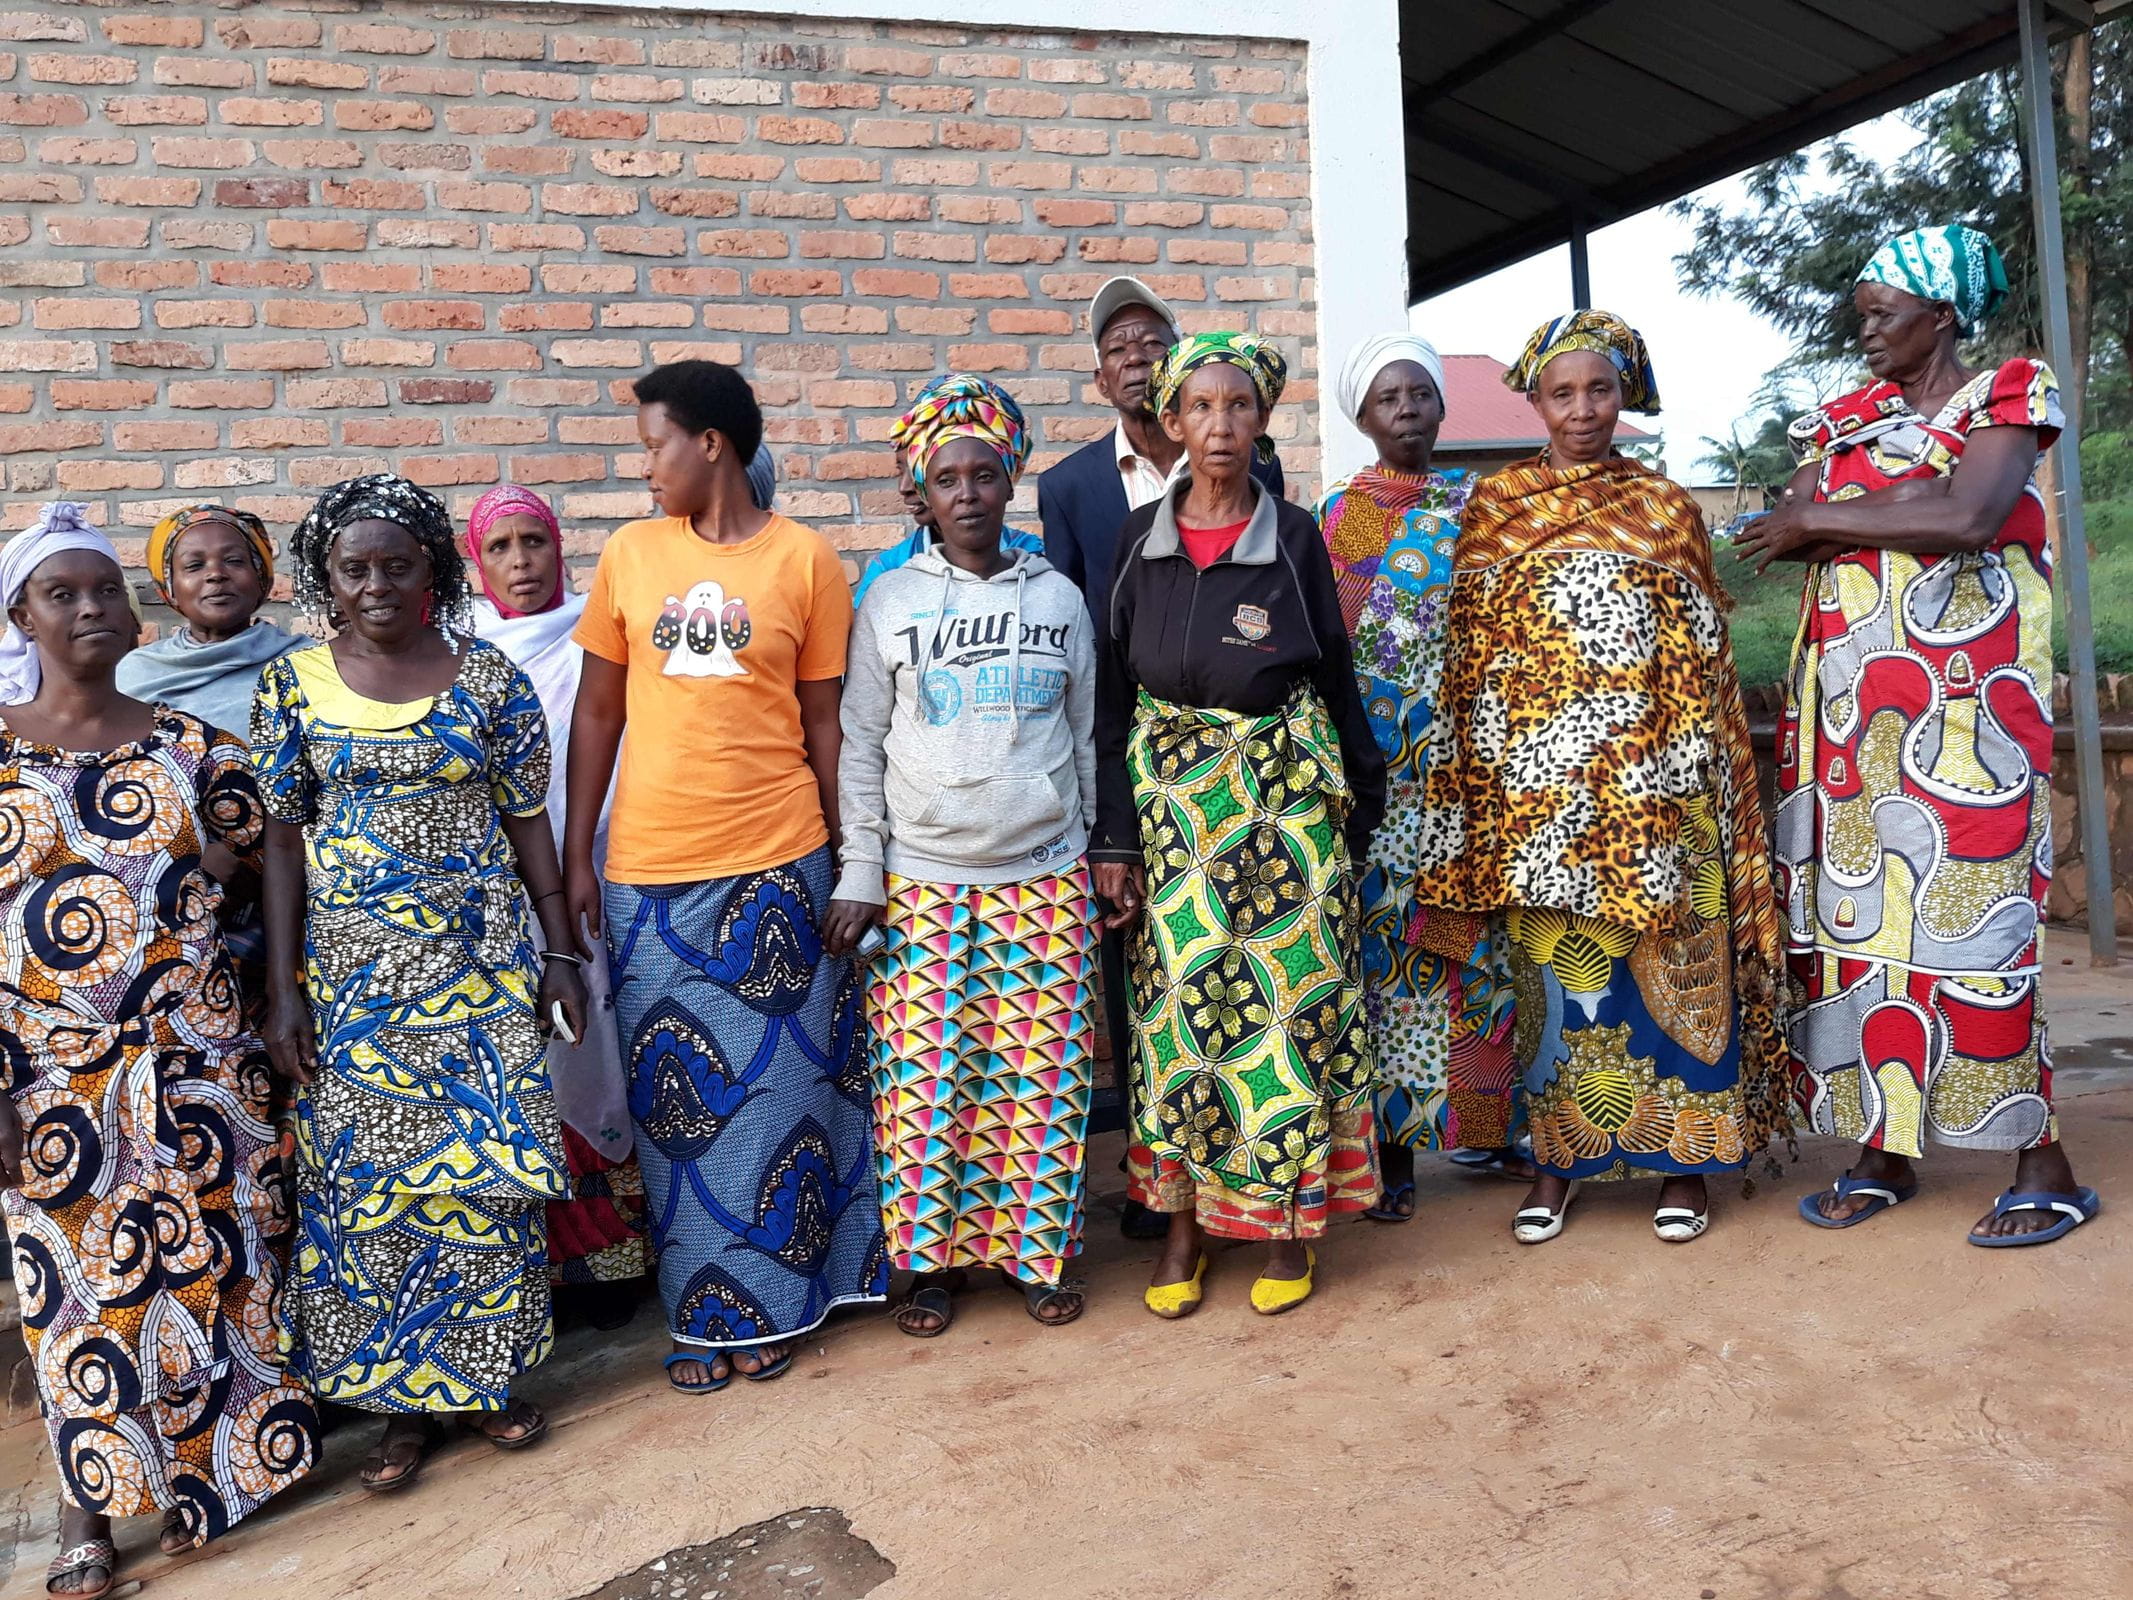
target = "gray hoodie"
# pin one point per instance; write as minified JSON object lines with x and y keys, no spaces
{"x":946,"y":775}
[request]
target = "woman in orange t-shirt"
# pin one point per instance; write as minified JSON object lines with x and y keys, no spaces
{"x":716,"y":634}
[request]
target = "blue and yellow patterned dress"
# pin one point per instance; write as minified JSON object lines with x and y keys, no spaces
{"x":428,"y":1144}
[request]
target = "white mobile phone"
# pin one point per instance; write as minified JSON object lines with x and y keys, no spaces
{"x":871,"y":943}
{"x":561,"y":1023}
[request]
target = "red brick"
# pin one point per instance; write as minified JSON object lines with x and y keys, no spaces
{"x":1118,"y":180}
{"x":313,"y":314}
{"x":843,"y":319}
{"x":1267,"y":115}
{"x":1113,"y":107}
{"x":700,"y":127}
{"x":896,"y":282}
{"x":186,"y":435}
{"x":797,"y":282}
{"x":1029,"y":174}
{"x":268,"y":33}
{"x":426,"y":157}
{"x":185,"y":233}
{"x":753,"y":319}
{"x":1261,"y":217}
{"x":531,"y":85}
{"x":301,"y":72}
{"x":1282,"y":253}
{"x":980,"y":136}
{"x":28,"y":25}
{"x":203,"y":314}
{"x":277,"y":433}
{"x":160,"y":353}
{"x":392,"y":433}
{"x":933,"y":97}
{"x":482,"y":277}
{"x":987,"y":286}
{"x":148,"y":191}
{"x":636,"y":163}
{"x":446,"y":391}
{"x":635,"y":88}
{"x":382,"y":39}
{"x":589,"y":199}
{"x":881,"y":355}
{"x":981,"y":66}
{"x":885,"y":207}
{"x":578,"y":122}
{"x":97,"y":233}
{"x":372,"y":194}
{"x":247,"y":111}
{"x":172,"y":151}
{"x":855,"y":392}
{"x":90,"y":70}
{"x":514,"y":198}
{"x":602,"y":52}
{"x":798,"y":357}
{"x":303,"y":154}
{"x":1034,"y":104}
{"x":1158,"y":75}
{"x":170,"y":33}
{"x":492,"y":355}
{"x":836,"y":96}
{"x":489,"y":118}
{"x":1172,"y":285}
{"x":1065,"y":69}
{"x":888,"y":133}
{"x":1014,"y":249}
{"x":140,"y":277}
{"x":96,"y":477}
{"x":834,"y":169}
{"x":603,"y":430}
{"x":220,"y":394}
{"x":88,"y":152}
{"x":695,"y":53}
{"x":882,"y":62}
{"x":325,"y":394}
{"x":40,"y":187}
{"x":916,"y":246}
{"x":696,"y":280}
{"x":830,"y":244}
{"x":1147,"y":142}
{"x":803,"y":130}
{"x":570,"y":278}
{"x":763,"y":244}
{"x":276,"y":355}
{"x":269,"y":193}
{"x":285,"y":233}
{"x":529,"y":161}
{"x":1165,"y":214}
{"x":47,"y":355}
{"x":103,"y":395}
{"x":141,"y":110}
{"x":1255,"y":288}
{"x":261,"y":274}
{"x":437,"y":471}
{"x":19,"y":438}
{"x":376,"y":116}
{"x":370,"y":277}
{"x":697,"y":202}
{"x":1072,"y":288}
{"x":1206,"y":252}
{"x":403,"y":79}
{"x":388,"y":352}
{"x":1250,"y":149}
{"x":558,"y":469}
{"x":552,"y":392}
{"x":737,"y":92}
{"x":1070,"y":141}
{"x":1115,"y":249}
{"x":317,"y":472}
{"x":427,"y":315}
{"x":986,"y":210}
{"x":568,"y":316}
{"x":509,"y":430}
{"x":1021,"y":321}
{"x":1251,"y":80}
{"x":640,"y":241}
{"x":1202,"y":113}
{"x":496,"y":44}
{"x":42,"y":274}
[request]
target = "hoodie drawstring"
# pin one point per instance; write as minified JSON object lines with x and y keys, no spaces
{"x":1014,"y":658}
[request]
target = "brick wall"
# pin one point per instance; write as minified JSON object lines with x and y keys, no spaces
{"x":247,"y":253}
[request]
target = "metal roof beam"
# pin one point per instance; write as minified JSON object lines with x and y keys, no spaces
{"x":1508,"y":49}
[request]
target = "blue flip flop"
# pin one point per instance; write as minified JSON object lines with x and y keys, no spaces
{"x":1387,"y":1208}
{"x":774,"y":1369}
{"x":703,"y":1358}
{"x":1880,"y":1196}
{"x":2073,"y":1209}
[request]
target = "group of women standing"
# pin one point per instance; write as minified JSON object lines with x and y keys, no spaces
{"x":527,"y":937}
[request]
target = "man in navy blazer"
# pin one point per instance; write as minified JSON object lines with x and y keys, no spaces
{"x":1083,"y":501}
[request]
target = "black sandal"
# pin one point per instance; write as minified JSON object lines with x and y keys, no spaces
{"x":932,"y":1301}
{"x":424,"y":1437}
{"x":522,"y":1412}
{"x":1037,"y":1296}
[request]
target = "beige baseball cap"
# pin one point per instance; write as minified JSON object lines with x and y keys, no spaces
{"x":1119,"y":293}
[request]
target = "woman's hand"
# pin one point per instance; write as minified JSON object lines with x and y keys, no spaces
{"x":561,"y":985}
{"x":847,"y":924}
{"x":10,"y":1143}
{"x":1125,"y":885}
{"x":219,"y":862}
{"x":581,"y":904}
{"x":289,"y":1035}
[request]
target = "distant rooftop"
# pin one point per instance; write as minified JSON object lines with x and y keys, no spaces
{"x":1480,"y":413}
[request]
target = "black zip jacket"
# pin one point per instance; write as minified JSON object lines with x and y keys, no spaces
{"x":1237,"y":636}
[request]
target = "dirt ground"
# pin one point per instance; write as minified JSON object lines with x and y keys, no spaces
{"x":1770,"y":1413}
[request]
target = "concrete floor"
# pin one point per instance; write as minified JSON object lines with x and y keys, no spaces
{"x":1769,"y":1413}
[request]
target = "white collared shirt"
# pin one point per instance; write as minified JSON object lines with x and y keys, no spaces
{"x":1136,"y":473}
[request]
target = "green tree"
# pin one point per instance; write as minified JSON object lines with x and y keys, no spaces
{"x":1812,"y":218}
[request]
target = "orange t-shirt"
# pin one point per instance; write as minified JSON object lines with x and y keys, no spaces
{"x":713,"y":777}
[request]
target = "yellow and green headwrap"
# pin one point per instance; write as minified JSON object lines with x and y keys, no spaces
{"x":1261,"y":362}
{"x":163,"y":539}
{"x":961,"y":405}
{"x":1601,"y":332}
{"x":1957,"y":264}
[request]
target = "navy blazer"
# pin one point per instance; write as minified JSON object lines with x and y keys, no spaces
{"x":1082,"y":504}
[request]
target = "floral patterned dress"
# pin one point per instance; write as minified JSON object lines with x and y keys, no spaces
{"x":429,"y":1144}
{"x":1437,"y":995}
{"x":152,"y":1224}
{"x":1914,"y":785}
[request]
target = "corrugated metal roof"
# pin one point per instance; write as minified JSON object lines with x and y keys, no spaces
{"x":1526,"y":117}
{"x":1481,"y":414}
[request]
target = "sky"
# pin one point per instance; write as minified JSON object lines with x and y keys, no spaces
{"x":1710,"y":353}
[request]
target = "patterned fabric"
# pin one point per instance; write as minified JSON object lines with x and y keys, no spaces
{"x":1957,"y":264}
{"x":490,"y":508}
{"x":1260,"y":361}
{"x":1914,"y":795}
{"x":961,"y":406}
{"x":749,"y":1089}
{"x":979,"y":1014}
{"x":1630,"y":1042}
{"x":1601,"y":332}
{"x":598,"y":1234}
{"x":428,"y":1142}
{"x":1591,"y":719}
{"x":1246,"y":977}
{"x":152,"y":1224}
{"x":1436,"y":996}
{"x":163,"y":540}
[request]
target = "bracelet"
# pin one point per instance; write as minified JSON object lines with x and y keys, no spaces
{"x":562,"y":955}
{"x":550,"y":895}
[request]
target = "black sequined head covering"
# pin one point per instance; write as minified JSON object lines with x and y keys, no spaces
{"x":383,"y":497}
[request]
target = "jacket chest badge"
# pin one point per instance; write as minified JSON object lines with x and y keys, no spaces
{"x":1253,"y":623}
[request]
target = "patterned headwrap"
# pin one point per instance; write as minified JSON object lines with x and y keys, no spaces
{"x":1261,"y":362}
{"x":511,"y":500}
{"x":164,"y":536}
{"x":62,"y":526}
{"x":762,"y":477}
{"x":960,"y":405}
{"x":383,"y":497}
{"x":1957,"y":264}
{"x":1601,"y":332}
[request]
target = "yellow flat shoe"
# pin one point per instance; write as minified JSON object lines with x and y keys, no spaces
{"x":1174,"y":1300}
{"x":1272,"y":1296}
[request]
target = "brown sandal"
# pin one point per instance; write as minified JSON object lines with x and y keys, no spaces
{"x":90,"y":1555}
{"x":391,"y":1452}
{"x":525,"y":1414}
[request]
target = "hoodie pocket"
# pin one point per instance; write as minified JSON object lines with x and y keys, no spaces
{"x":979,"y":821}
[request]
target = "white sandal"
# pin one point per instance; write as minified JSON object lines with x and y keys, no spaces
{"x":1537,"y":1224}
{"x":1678,"y":1224}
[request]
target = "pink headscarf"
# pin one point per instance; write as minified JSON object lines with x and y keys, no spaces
{"x":512,"y":500}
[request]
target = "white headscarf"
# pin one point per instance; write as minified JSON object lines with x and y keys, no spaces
{"x":1372,"y":357}
{"x":61,"y":526}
